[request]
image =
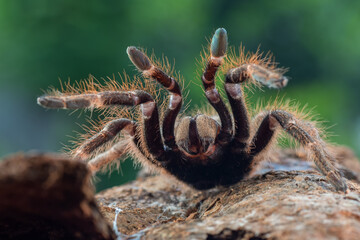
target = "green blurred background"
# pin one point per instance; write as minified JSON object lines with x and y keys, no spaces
{"x":41,"y":41}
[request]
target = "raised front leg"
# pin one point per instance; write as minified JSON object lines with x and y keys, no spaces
{"x":241,"y":119}
{"x":218,"y":51}
{"x":250,"y":68}
{"x":150,"y":115}
{"x":148,"y":69}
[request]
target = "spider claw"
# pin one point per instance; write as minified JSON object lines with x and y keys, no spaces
{"x":138,"y":58}
{"x":219,"y":43}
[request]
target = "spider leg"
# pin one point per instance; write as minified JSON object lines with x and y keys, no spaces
{"x":149,"y":110}
{"x":238,"y":107}
{"x":268,"y":77}
{"x":305,"y":136}
{"x":234,"y":78}
{"x":264,"y":134}
{"x":143,"y":63}
{"x":218,"y":51}
{"x":103,"y":159}
{"x":110,"y":130}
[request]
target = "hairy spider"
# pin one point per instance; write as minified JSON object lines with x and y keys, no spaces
{"x":200,"y":150}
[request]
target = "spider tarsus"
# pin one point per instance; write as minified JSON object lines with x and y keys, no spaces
{"x":219,"y":43}
{"x":47,"y":102}
{"x":268,"y":77}
{"x":68,"y":102}
{"x":139,"y":59}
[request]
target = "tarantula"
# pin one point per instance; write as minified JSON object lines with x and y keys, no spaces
{"x":200,"y":151}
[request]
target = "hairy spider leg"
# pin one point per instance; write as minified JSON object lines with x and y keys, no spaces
{"x":149,"y":110}
{"x":105,"y":158}
{"x":110,"y":130}
{"x":143,"y":63}
{"x":239,"y":111}
{"x":234,"y":78}
{"x":272,"y":78}
{"x":263,"y":135}
{"x":218,"y":51}
{"x":308,"y":139}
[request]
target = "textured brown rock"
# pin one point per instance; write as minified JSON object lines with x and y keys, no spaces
{"x":46,"y":196}
{"x":50,"y":197}
{"x":272,"y":204}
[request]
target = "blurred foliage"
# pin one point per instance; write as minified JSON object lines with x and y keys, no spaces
{"x":41,"y":41}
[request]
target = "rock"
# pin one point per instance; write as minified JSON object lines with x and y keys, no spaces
{"x":271,"y":204}
{"x":48,"y":196}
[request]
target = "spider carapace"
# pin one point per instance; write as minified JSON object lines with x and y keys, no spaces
{"x":202,"y":151}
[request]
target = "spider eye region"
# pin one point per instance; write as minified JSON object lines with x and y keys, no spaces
{"x":195,"y":135}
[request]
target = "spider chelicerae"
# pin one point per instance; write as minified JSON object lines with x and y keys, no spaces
{"x":200,"y":151}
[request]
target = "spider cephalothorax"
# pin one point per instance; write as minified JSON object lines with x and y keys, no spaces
{"x":200,"y":151}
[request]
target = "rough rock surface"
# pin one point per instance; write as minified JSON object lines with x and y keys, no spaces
{"x":51,"y":197}
{"x":275,"y":203}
